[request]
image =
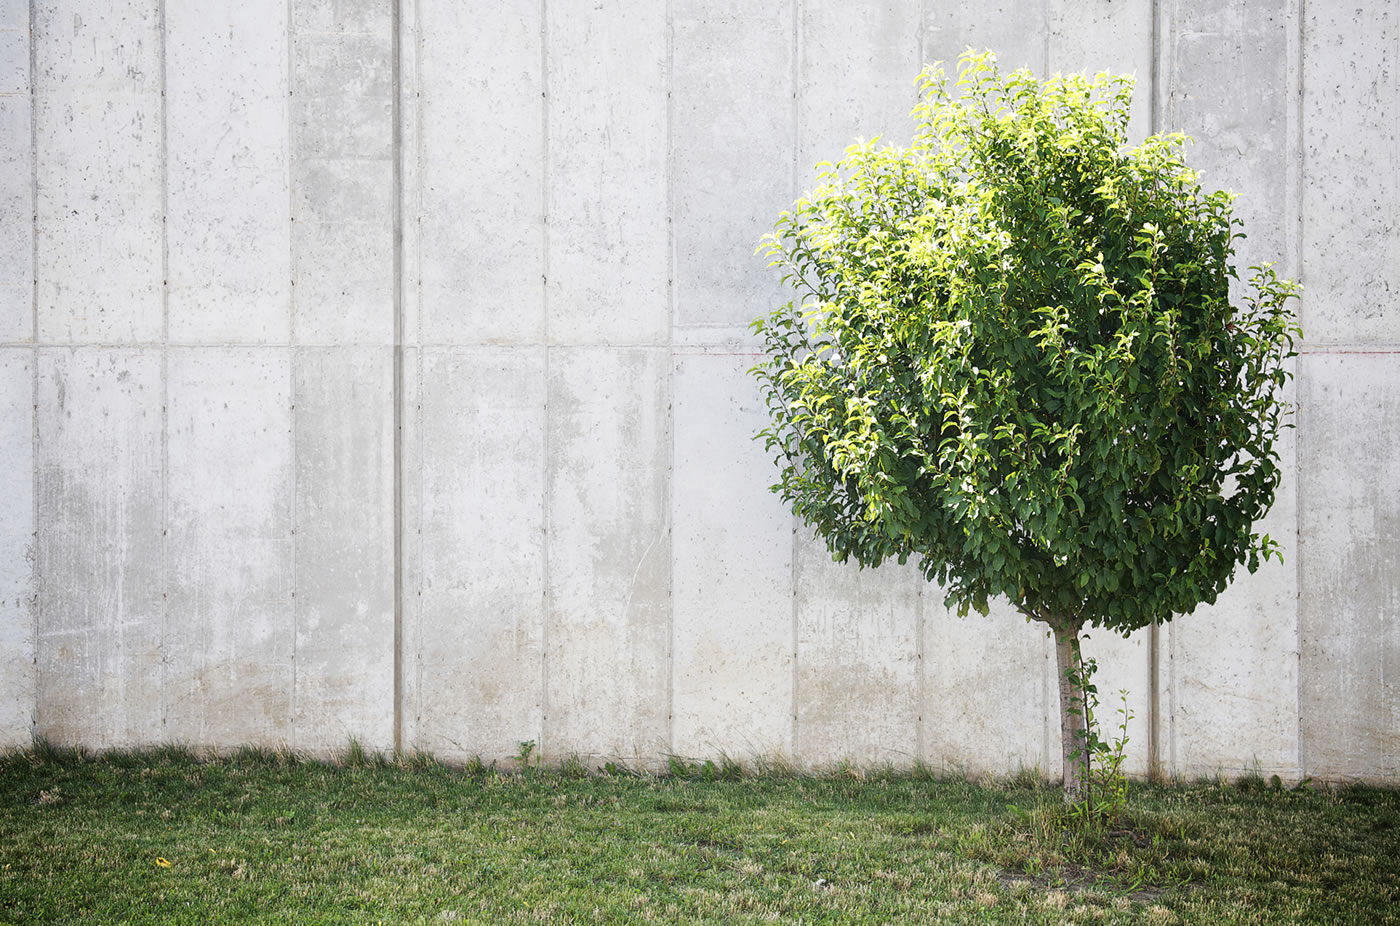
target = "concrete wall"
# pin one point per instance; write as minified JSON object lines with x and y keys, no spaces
{"x":378,"y":370}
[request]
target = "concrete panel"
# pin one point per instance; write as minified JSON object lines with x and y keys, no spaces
{"x":1351,"y":182}
{"x":733,"y":131}
{"x":100,"y":547}
{"x":1227,"y":84}
{"x":1017,"y":31}
{"x":343,"y":90}
{"x":365,"y":17}
{"x":481,"y":490}
{"x":343,"y":240}
{"x":609,"y":249}
{"x":990,"y":704}
{"x":226,"y":137}
{"x":1125,"y":665}
{"x":1230,"y":670}
{"x":856,"y":74}
{"x":607,"y":640}
{"x":1230,"y":685}
{"x":731,"y":568}
{"x":16,"y":221}
{"x":230,"y":633}
{"x":108,"y":46}
{"x":343,"y":185}
{"x":483,"y":172}
{"x":344,"y":548}
{"x":98,"y":126}
{"x":1350,"y":565}
{"x":858,"y":660}
{"x":14,"y":55}
{"x":1090,"y":36}
{"x":856,"y":80}
{"x":17,"y":561}
{"x":14,"y":14}
{"x":16,"y":178}
{"x":410,"y":162}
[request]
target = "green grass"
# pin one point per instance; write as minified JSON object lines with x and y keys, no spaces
{"x":269,"y":838}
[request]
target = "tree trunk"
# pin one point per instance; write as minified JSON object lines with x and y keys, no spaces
{"x":1072,"y":725}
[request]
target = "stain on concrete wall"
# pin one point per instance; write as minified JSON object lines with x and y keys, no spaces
{"x":257,"y":339}
{"x":230,"y":647}
{"x":101,"y":560}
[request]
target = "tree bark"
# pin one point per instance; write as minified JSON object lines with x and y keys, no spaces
{"x":1072,"y":720}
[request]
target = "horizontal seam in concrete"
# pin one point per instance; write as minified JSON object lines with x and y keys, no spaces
{"x":1346,"y":350}
{"x":682,"y":347}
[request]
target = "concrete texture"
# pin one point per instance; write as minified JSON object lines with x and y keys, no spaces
{"x":607,"y":203}
{"x":732,"y":570}
{"x":230,"y":634}
{"x":988,"y":697}
{"x":1350,"y":573}
{"x":1351,"y":184}
{"x":437,"y":433}
{"x":101,"y":563}
{"x":607,"y":635}
{"x":481,"y":120}
{"x":859,"y":660}
{"x":99,"y":177}
{"x":227,"y":212}
{"x":475,"y":672}
{"x":856,"y":73}
{"x":738,"y":155}
{"x":16,"y":178}
{"x":17,"y":678}
{"x":18,"y":690}
{"x":342,"y":175}
{"x":343,"y":552}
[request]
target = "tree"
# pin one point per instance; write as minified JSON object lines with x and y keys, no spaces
{"x":1014,"y":356}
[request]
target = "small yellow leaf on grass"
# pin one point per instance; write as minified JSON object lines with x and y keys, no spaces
{"x":162,"y":862}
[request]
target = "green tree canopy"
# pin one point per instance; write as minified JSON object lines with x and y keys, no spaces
{"x":1014,"y":356}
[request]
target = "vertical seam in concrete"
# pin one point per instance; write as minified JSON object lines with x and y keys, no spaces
{"x":36,"y":580}
{"x":1154,"y":720}
{"x":1298,"y":177}
{"x":1049,"y":730}
{"x":396,"y":148}
{"x":923,"y":29}
{"x":292,"y":352}
{"x":291,"y":178}
{"x":667,"y":487}
{"x":546,"y":509}
{"x":920,"y":642}
{"x":921,"y":683}
{"x":1049,"y":667}
{"x":413,"y":577}
{"x":1045,"y":20}
{"x":793,"y":546}
{"x":164,"y":379}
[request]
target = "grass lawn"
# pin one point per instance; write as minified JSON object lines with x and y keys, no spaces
{"x":161,"y":837}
